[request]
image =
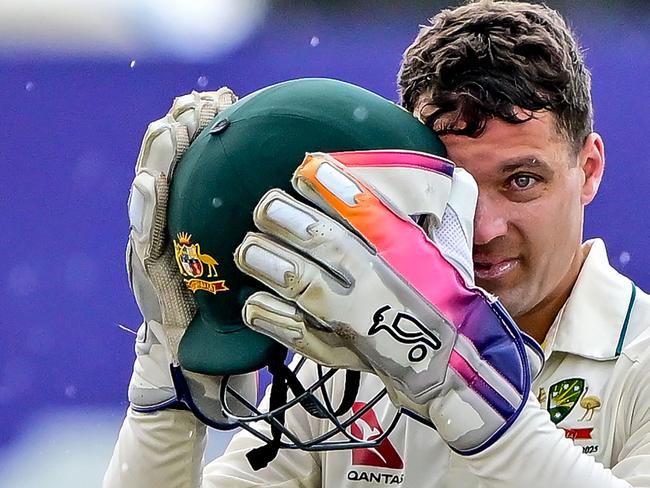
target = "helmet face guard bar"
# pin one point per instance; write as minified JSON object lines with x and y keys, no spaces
{"x":308,"y":400}
{"x":227,"y":409}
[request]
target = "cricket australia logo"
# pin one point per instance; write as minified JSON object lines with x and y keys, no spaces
{"x":406,"y":329}
{"x":193,"y":265}
{"x":563,"y":396}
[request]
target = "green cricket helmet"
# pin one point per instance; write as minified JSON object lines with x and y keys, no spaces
{"x":253,"y":146}
{"x":249,"y":148}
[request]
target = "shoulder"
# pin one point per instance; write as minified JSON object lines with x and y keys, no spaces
{"x":632,"y":369}
{"x":637,"y":333}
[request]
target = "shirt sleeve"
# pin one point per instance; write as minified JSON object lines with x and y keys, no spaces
{"x":162,"y":449}
{"x":292,"y":468}
{"x":165,"y":449}
{"x":535,"y":454}
{"x":632,"y":435}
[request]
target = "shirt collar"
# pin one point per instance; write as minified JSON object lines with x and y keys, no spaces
{"x":593,"y":320}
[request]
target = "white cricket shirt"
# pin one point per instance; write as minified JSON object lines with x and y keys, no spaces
{"x":589,"y":410}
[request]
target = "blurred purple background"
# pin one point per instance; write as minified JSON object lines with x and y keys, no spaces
{"x":71,"y":130}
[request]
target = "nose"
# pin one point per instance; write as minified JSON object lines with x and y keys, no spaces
{"x":490,"y":220}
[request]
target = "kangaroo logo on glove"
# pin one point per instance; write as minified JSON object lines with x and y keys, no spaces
{"x":407,"y":330}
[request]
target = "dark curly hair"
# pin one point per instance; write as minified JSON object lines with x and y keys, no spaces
{"x":488,"y":58}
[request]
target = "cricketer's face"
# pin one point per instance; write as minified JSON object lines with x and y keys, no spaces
{"x":529,"y":218}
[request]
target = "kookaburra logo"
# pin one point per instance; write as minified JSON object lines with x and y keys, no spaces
{"x":407,"y":330}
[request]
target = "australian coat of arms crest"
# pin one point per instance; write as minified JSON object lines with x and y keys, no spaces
{"x":199,"y":270}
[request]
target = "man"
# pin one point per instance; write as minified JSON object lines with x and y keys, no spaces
{"x":506,"y":87}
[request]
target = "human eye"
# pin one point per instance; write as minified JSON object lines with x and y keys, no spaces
{"x":523,"y":187}
{"x":522,"y":181}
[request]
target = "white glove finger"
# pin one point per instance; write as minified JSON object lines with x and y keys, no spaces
{"x":353,"y":203}
{"x":323,"y":181}
{"x":275,"y":317}
{"x":197,"y":109}
{"x":286,"y":323}
{"x":410,"y":182}
{"x":163,"y":144}
{"x":306,"y":229}
{"x":288,"y":273}
{"x":165,"y":141}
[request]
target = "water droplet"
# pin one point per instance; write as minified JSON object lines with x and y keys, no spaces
{"x":71,"y":391}
{"x":191,"y":434}
{"x":29,"y":86}
{"x":217,"y":202}
{"x":132,"y":65}
{"x":124,"y":467}
{"x":360,"y":114}
{"x":202,"y":81}
{"x":315,"y":41}
{"x":624,"y":258}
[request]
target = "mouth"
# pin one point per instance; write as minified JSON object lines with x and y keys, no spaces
{"x":487,"y":269}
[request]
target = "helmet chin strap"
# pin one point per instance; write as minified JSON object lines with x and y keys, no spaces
{"x":284,"y":378}
{"x":261,"y":456}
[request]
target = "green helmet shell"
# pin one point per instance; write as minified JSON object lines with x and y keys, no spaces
{"x":253,"y":146}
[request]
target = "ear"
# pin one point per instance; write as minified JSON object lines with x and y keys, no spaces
{"x":591,"y":161}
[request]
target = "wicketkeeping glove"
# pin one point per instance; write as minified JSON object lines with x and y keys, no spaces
{"x":364,"y":287}
{"x":166,"y":304}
